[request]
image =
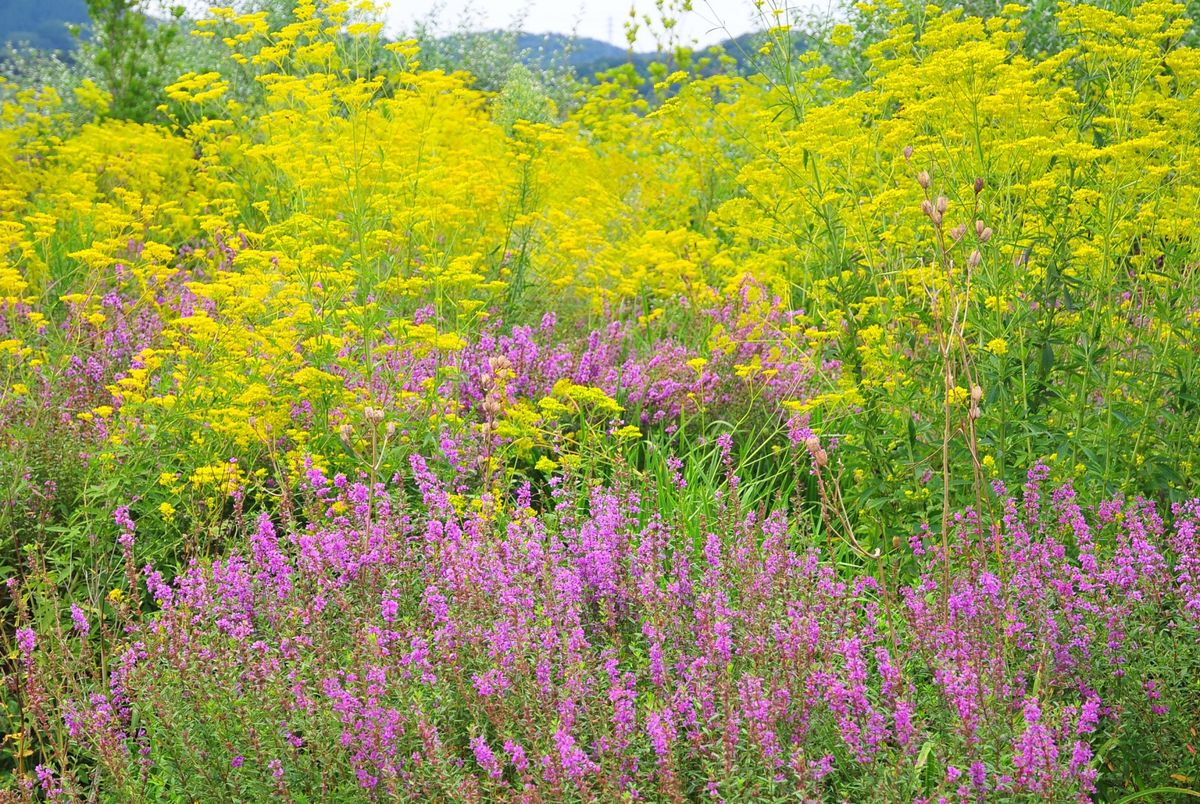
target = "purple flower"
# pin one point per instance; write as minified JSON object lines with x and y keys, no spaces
{"x":517,"y":755}
{"x":82,"y":627}
{"x":27,"y":643}
{"x":486,"y":759}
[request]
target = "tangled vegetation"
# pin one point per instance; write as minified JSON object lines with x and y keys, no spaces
{"x":822,"y":430}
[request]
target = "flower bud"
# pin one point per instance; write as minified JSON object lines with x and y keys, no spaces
{"x":346,"y":432}
{"x":923,"y":179}
{"x":974,"y":259}
{"x":985,"y":235}
{"x":958,"y":232}
{"x":374,"y":415}
{"x":943,"y":204}
{"x":908,"y":152}
{"x":976,"y":393}
{"x":978,"y":228}
{"x":978,"y":185}
{"x":927,"y":207}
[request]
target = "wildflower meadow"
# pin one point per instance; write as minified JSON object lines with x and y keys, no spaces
{"x":816,"y":422}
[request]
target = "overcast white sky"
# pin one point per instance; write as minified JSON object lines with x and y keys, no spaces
{"x":709,"y":22}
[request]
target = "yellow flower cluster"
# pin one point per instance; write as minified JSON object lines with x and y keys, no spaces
{"x":307,"y":233}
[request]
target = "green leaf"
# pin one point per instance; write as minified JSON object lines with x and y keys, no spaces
{"x":1179,"y":791}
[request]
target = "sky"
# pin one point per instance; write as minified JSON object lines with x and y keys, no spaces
{"x":711,"y":20}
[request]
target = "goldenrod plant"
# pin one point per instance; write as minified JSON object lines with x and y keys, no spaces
{"x":816,"y":426}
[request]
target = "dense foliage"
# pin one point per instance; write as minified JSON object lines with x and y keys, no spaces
{"x":368,"y":430}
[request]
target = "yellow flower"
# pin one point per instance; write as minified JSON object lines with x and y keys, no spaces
{"x":998,"y":346}
{"x":957,"y":395}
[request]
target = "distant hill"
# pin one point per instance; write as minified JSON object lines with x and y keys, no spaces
{"x":40,"y":23}
{"x":576,"y":51}
{"x":591,"y":56}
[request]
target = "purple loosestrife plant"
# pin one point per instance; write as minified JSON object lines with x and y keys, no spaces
{"x":594,"y":650}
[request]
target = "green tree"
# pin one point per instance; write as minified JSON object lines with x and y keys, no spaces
{"x":131,"y":55}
